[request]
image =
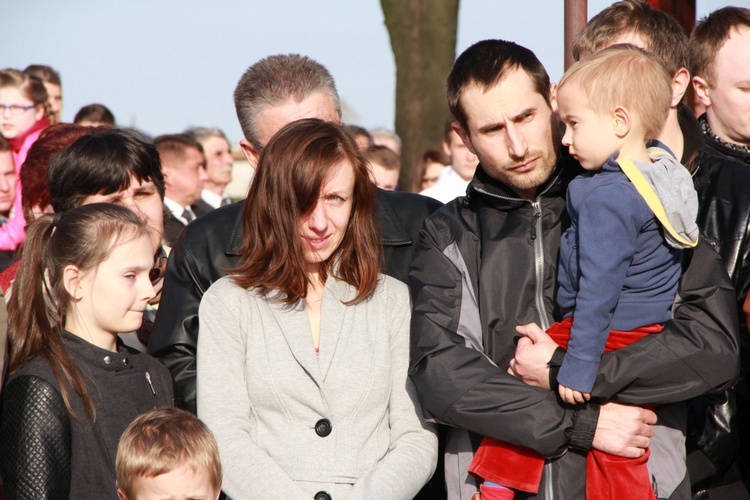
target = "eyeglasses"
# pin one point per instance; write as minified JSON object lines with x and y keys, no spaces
{"x":160,"y":267}
{"x":16,"y":109}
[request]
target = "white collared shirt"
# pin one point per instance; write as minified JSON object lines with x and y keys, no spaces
{"x":176,"y":210}
{"x":213,"y":199}
{"x":448,"y":186}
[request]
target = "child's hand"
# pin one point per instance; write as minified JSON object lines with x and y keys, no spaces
{"x":571,"y":396}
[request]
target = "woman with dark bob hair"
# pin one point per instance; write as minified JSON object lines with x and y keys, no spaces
{"x":303,"y":351}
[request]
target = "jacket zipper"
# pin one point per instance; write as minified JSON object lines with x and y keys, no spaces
{"x":537,"y":239}
{"x":538,"y":242}
{"x":549,"y":492}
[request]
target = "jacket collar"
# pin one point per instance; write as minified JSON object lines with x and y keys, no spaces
{"x":98,"y":358}
{"x":295,"y":326}
{"x":502,"y":196}
{"x":234,"y":242}
{"x":736,"y":151}
{"x":18,"y":142}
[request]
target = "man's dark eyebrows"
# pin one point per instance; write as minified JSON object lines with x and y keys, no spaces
{"x":526,"y":112}
{"x":499,"y":126}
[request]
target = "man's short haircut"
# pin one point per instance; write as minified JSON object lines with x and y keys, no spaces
{"x":34,"y":186}
{"x":358,"y":131}
{"x":624,"y":75}
{"x":383,"y":156}
{"x":203,"y":134}
{"x":173,"y":147}
{"x":661,"y":32}
{"x":96,"y":113}
{"x":44,"y":73}
{"x":101,"y":163}
{"x":161,"y":441}
{"x":709,"y":35}
{"x":276,"y":80}
{"x":485,"y":64}
{"x":385,"y":134}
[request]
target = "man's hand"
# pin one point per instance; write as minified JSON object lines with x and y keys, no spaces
{"x":533,"y":352}
{"x":624,"y":431}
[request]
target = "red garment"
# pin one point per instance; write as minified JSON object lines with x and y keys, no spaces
{"x":607,"y":476}
{"x":8,"y":275}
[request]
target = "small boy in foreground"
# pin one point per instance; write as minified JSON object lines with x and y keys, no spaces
{"x":168,"y":453}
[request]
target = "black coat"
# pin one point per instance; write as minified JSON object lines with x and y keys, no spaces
{"x":716,"y":422}
{"x":44,"y":452}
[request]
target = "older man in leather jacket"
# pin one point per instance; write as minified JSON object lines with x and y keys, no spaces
{"x":297,"y":87}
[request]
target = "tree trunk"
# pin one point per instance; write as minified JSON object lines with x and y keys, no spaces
{"x":423,"y":39}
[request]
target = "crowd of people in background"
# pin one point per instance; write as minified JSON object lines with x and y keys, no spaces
{"x":339,"y":336}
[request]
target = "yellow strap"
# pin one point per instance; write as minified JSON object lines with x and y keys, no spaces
{"x":653,"y":202}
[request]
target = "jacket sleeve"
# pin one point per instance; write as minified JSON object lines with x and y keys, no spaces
{"x":35,"y":445}
{"x":696,"y":353}
{"x":606,"y":214}
{"x":458,"y":385}
{"x":174,"y":337}
{"x":412,"y":453}
{"x":224,"y":405}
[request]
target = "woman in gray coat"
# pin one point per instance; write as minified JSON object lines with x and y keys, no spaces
{"x":303,"y":351}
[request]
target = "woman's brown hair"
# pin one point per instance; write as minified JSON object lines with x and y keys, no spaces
{"x":293,"y":168}
{"x":83,"y":237}
{"x":30,"y":86}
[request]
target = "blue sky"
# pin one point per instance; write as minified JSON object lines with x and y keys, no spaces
{"x":165,"y":65}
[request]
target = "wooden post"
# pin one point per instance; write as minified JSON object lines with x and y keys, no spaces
{"x":576,"y":15}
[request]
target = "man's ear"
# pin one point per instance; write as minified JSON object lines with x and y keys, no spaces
{"x":72,"y":281}
{"x":251,"y":152}
{"x":623,"y":121}
{"x":457,"y":128}
{"x":702,"y":91}
{"x":553,"y":96}
{"x":680,"y":82}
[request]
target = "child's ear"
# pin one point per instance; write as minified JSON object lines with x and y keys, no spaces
{"x":72,"y":281}
{"x":622,"y":121}
{"x":122,"y":496}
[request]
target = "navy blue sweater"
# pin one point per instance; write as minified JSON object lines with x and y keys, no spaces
{"x":616,"y":270}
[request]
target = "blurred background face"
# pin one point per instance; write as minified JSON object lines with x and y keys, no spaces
{"x":13,"y":125}
{"x":219,"y":161}
{"x":184,"y":177}
{"x":432,"y":171}
{"x":54,"y":101}
{"x":7,"y":182}
{"x":464,"y":161}
{"x":384,"y":178}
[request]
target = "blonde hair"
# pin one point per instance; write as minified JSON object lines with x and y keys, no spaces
{"x":624,"y":75}
{"x":162,"y":440}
